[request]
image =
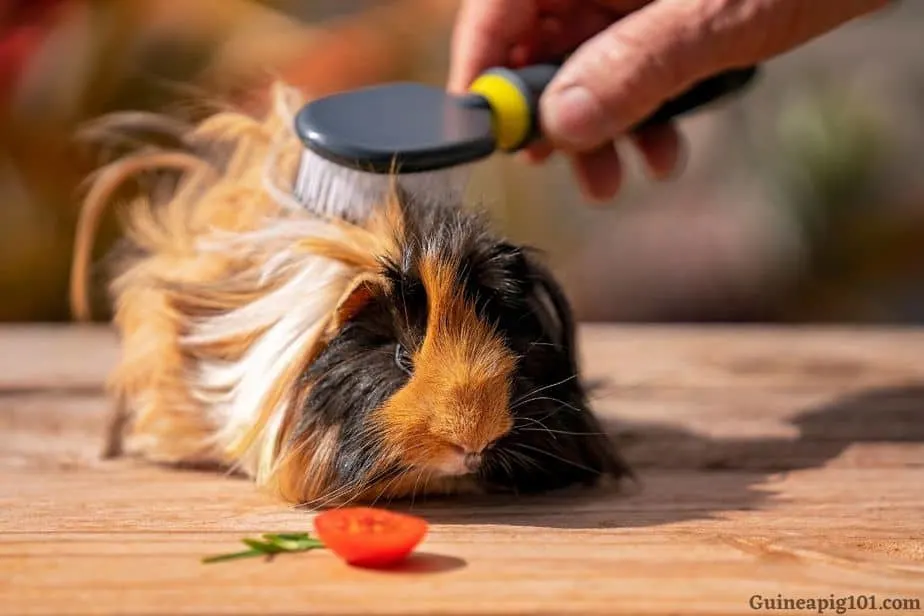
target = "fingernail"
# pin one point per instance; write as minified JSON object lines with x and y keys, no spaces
{"x":575,"y":118}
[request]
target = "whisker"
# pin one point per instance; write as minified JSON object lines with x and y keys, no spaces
{"x":501,"y":459}
{"x":537,"y":422}
{"x":550,"y":399}
{"x":550,"y":413}
{"x":357,"y":486}
{"x":563,"y":432}
{"x":407,"y":318}
{"x":559,"y":458}
{"x":426,"y":486}
{"x":355,"y":495}
{"x":325,"y":499}
{"x":543,"y":388}
{"x":414,"y":490}
{"x":368,"y":482}
{"x":385,"y":488}
{"x":519,"y":455}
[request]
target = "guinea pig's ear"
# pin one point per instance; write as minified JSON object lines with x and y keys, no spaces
{"x":357,"y":295}
{"x":548,"y":300}
{"x":515,"y":266}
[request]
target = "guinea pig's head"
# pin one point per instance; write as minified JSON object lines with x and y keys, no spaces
{"x":455,"y":360}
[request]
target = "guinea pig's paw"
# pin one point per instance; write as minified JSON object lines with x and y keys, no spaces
{"x":168,"y":438}
{"x":190,"y":453}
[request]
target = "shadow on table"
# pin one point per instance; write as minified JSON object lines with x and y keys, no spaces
{"x":697,"y":485}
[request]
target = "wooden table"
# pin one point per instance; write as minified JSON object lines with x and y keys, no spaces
{"x":776,"y":463}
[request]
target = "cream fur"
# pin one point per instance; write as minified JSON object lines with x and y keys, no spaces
{"x":229,"y":299}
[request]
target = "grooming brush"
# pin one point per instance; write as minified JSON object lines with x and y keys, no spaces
{"x":357,"y":142}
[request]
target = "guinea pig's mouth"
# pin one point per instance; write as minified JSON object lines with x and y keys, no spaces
{"x":459,"y":464}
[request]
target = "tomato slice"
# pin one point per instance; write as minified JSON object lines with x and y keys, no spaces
{"x":368,"y":537}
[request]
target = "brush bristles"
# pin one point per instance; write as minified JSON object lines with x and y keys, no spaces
{"x":331,"y":190}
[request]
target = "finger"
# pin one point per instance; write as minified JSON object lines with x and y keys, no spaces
{"x":563,"y":34}
{"x":662,"y":148}
{"x":624,"y":73}
{"x":557,"y":7}
{"x":485,"y":32}
{"x":623,"y":6}
{"x":536,"y":46}
{"x":538,"y":153}
{"x":562,"y":7}
{"x":521,"y":54}
{"x":599,"y":172}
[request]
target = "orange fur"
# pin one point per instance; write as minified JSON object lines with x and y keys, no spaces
{"x":458,"y":395}
{"x":168,"y":423}
{"x":364,"y":246}
{"x":107,"y":181}
{"x":303,"y":471}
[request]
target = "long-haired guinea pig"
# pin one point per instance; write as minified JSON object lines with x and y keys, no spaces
{"x":328,"y":359}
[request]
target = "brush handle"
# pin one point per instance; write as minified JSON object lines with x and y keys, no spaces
{"x":531,"y":82}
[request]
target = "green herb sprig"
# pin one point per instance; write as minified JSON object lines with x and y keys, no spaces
{"x":272,"y":544}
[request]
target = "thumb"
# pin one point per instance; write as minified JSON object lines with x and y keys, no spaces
{"x":626,"y":72}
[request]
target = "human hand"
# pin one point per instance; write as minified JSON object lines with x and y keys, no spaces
{"x":629,"y":57}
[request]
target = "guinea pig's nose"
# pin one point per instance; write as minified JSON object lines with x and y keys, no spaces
{"x":472,"y":461}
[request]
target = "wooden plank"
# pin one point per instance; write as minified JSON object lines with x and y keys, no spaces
{"x":55,"y":357}
{"x":699,"y":429}
{"x":131,"y":536}
{"x":129,"y":547}
{"x":664,"y":357}
{"x":48,"y":431}
{"x":673,"y":357}
{"x":772,"y":462}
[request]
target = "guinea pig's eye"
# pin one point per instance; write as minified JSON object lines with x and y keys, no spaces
{"x":402,"y":359}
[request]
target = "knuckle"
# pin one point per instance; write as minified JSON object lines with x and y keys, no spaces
{"x":639,"y":75}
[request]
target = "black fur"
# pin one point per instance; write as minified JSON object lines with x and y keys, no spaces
{"x":556,"y":441}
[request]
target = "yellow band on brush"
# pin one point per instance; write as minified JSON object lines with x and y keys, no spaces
{"x":510,"y":107}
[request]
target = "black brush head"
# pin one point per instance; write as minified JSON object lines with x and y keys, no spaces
{"x":400,"y":127}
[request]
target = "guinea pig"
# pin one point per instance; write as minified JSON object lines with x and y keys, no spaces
{"x":332,"y":360}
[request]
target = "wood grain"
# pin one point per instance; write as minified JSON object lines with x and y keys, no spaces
{"x":773,"y":461}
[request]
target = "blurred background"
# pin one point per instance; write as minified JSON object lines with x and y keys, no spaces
{"x":801,"y":202}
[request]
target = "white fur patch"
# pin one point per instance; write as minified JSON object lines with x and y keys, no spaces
{"x":292,"y":316}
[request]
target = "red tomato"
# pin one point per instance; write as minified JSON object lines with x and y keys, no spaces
{"x":368,"y":537}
